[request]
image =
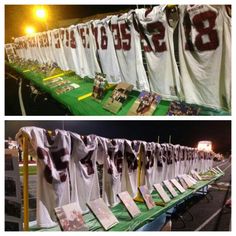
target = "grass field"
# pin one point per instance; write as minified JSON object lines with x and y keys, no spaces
{"x":32,"y":170}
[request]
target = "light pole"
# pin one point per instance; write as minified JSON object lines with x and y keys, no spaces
{"x":41,"y":14}
{"x":29,"y":30}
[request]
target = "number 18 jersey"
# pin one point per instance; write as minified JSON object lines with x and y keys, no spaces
{"x":205,"y":55}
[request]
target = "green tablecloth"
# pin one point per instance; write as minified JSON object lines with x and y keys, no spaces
{"x":89,"y":106}
{"x":126,"y":223}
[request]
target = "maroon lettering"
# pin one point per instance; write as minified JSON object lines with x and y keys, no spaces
{"x":104,"y":39}
{"x":198,"y":22}
{"x":56,"y":159}
{"x":88,"y":163}
{"x":95,"y":33}
{"x":204,"y":29}
{"x":57,"y":40}
{"x":116,"y":35}
{"x":81,"y":32}
{"x":72,"y":39}
{"x":157,"y":30}
{"x":67,"y":38}
{"x":126,"y":37}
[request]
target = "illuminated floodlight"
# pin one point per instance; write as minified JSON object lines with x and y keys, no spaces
{"x":41,"y":13}
{"x":204,"y":146}
{"x":29,"y":30}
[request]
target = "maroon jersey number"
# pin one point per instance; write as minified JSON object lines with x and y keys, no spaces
{"x":204,"y":24}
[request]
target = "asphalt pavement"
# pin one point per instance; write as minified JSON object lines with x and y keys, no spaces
{"x":209,"y":212}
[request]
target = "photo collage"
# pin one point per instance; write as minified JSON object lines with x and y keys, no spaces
{"x":117,"y":116}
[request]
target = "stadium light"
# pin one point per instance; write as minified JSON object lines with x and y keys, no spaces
{"x":41,"y":13}
{"x":204,"y":146}
{"x":29,"y":30}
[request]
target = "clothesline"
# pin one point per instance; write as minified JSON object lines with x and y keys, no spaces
{"x":67,"y":167}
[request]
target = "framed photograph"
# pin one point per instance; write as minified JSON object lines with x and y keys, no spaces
{"x":99,"y":86}
{"x":187,"y":181}
{"x":221,"y":171}
{"x":145,"y":104}
{"x":170,"y":188}
{"x":214,"y":171}
{"x":70,"y":218}
{"x":194,"y":181}
{"x":162,"y":193}
{"x":58,"y":84}
{"x":67,"y":88}
{"x":118,"y":97}
{"x":178,"y":108}
{"x":182,"y":182}
{"x":177,"y":185}
{"x":129,"y":204}
{"x":196,"y":175}
{"x":147,"y":197}
{"x":103,"y":214}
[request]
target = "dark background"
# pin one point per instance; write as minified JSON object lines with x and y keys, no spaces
{"x":17,"y":17}
{"x":182,"y":132}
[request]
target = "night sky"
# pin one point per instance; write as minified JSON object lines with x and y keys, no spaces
{"x":17,"y":17}
{"x":182,"y":132}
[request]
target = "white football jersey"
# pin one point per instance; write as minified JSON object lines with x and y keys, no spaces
{"x":32,"y":43}
{"x":159,"y":163}
{"x":18,"y":48}
{"x":113,"y":171}
{"x":49,"y":46}
{"x":77,"y":52}
{"x":182,"y":160}
{"x":10,"y":51}
{"x":128,"y":50}
{"x":176,"y":153}
{"x":22,"y":47}
{"x":65,"y":43}
{"x":45,"y":47}
{"x":150,"y":164}
{"x":106,"y":50}
{"x":210,"y":163}
{"x":34,"y":48}
{"x":195,"y":159}
{"x":28,"y":55}
{"x":53,"y":157}
{"x":131,"y":167}
{"x":201,"y":162}
{"x":83,"y":170}
{"x":41,"y":49}
{"x":157,"y":40}
{"x":205,"y":55}
{"x":164,"y":156}
{"x":58,"y":50}
{"x":89,"y":45}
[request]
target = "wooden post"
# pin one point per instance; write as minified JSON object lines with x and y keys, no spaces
{"x":25,"y":183}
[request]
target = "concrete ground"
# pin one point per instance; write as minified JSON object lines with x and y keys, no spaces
{"x":209,"y":212}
